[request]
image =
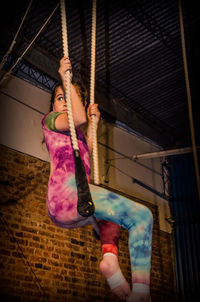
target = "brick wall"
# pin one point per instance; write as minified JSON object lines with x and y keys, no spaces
{"x":42,"y":262}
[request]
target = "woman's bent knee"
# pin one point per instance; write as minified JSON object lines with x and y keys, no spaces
{"x":147,"y":215}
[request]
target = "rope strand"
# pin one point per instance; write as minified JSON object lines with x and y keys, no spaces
{"x":92,"y":85}
{"x":92,"y":94}
{"x":67,"y":76}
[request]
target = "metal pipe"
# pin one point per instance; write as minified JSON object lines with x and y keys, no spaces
{"x":194,"y":149}
{"x":163,"y":153}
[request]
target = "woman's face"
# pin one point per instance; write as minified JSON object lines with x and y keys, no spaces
{"x":59,"y":101}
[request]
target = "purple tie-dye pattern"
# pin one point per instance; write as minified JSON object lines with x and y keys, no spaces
{"x":62,"y":192}
{"x":62,"y":202}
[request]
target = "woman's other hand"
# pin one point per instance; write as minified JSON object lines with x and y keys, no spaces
{"x":93,"y":110}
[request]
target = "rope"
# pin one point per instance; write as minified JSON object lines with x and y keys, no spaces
{"x":194,"y":148}
{"x":15,"y":38}
{"x":92,"y":85}
{"x":67,"y":76}
{"x":92,"y":94}
{"x":25,"y":51}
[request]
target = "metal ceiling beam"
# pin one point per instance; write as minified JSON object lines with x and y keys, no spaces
{"x":48,"y":65}
{"x":152,"y":26}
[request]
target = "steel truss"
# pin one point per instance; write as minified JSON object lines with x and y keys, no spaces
{"x":28,"y":72}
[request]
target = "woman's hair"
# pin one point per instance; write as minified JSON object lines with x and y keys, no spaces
{"x":53,"y":95}
{"x":81,"y":90}
{"x":78,"y":84}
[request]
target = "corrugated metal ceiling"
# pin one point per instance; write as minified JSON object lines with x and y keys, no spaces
{"x":138,"y":62}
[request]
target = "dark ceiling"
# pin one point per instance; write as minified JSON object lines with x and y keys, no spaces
{"x":139,"y":67}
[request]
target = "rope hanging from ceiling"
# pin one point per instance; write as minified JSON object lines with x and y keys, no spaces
{"x":92,"y":93}
{"x":85,"y":204}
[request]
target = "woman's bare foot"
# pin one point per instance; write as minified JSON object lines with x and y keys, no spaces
{"x":110,"y":266}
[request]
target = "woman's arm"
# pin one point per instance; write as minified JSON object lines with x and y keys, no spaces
{"x":92,"y":110}
{"x":78,"y":110}
{"x":78,"y":113}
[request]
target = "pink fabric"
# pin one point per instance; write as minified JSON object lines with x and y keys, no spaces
{"x":62,"y":192}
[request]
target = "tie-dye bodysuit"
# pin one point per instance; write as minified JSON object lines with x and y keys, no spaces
{"x":62,"y":201}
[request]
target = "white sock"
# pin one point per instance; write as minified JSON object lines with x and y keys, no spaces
{"x":116,"y":279}
{"x":111,"y":254}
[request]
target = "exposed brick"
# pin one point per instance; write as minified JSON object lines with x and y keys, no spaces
{"x":63,"y":291}
{"x":94,"y":259}
{"x":37,"y":245}
{"x":64,"y":262}
{"x":4,"y":252}
{"x":15,"y":226}
{"x":53,"y":262}
{"x":77,"y":255}
{"x":20,"y":234}
{"x":36,"y":238}
{"x":74,"y":241}
{"x":17,"y":254}
{"x":51,"y":229}
{"x":27,"y":229}
{"x":38,"y":265}
{"x":55,"y":256}
{"x":69,"y":266}
{"x":47,"y":268}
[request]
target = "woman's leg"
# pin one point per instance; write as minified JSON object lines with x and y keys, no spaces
{"x":109,"y":235}
{"x":138,"y":220}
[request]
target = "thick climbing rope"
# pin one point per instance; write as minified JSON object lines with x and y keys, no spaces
{"x":92,"y":85}
{"x":187,"y":82}
{"x":85,"y":205}
{"x":92,"y":94}
{"x":28,"y":47}
{"x":67,"y":76}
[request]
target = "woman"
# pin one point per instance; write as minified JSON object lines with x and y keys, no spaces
{"x":62,"y":194}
